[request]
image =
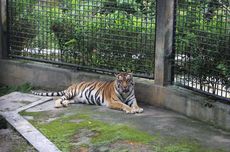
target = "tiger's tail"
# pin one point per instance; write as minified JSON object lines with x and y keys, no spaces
{"x":59,"y":93}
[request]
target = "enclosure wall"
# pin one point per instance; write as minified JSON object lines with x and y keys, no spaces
{"x":174,"y":98}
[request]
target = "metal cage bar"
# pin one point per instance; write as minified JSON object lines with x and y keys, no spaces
{"x":94,"y":34}
{"x":202,"y":47}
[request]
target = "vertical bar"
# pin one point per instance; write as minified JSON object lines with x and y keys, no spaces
{"x":3,"y":29}
{"x":164,"y":42}
{"x":174,"y":42}
{"x":1,"y":33}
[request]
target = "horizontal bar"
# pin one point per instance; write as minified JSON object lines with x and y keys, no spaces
{"x":222,"y":99}
{"x":77,"y":66}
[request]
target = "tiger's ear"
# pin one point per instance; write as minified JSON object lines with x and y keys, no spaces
{"x":116,"y":74}
{"x":131,"y":74}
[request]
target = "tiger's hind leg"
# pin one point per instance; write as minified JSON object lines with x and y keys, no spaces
{"x":57,"y":103}
{"x":65,"y":100}
{"x":63,"y":103}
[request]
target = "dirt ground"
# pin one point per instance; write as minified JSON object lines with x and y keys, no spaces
{"x":11,"y":141}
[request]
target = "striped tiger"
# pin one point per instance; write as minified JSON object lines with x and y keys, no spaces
{"x":117,"y":94}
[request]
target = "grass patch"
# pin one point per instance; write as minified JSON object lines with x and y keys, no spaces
{"x":108,"y":133}
{"x":184,"y":146}
{"x":33,"y":114}
{"x":62,"y":131}
{"x":5,"y":89}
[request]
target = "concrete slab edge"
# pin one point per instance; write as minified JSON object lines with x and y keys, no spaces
{"x":27,"y":130}
{"x":45,"y":99}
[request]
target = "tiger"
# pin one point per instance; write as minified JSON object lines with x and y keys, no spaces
{"x":117,"y":94}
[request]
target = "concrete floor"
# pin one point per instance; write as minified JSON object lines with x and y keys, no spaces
{"x":153,"y":120}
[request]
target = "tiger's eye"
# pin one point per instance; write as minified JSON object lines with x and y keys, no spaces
{"x":120,"y":78}
{"x":128,"y":77}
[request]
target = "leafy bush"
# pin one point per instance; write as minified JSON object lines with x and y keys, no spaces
{"x":119,"y":35}
{"x":106,"y":35}
{"x":23,"y":23}
{"x":25,"y":87}
{"x":205,"y":41}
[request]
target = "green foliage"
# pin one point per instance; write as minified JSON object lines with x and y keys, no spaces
{"x":102,"y":34}
{"x":205,"y":41}
{"x":23,"y":23}
{"x":21,"y":7}
{"x":107,"y":35}
{"x":26,"y":87}
{"x":119,"y":34}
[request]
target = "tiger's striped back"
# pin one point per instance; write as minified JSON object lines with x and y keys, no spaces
{"x":95,"y":92}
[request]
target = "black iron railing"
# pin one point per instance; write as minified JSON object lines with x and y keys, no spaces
{"x":119,"y":35}
{"x":202,"y":45}
{"x":101,"y":35}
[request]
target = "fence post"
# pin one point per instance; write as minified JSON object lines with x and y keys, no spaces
{"x":3,"y":29}
{"x":164,"y":42}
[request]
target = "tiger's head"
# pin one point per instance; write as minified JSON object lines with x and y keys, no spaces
{"x":124,"y":82}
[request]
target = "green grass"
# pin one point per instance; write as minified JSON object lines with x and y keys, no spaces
{"x":62,"y":130}
{"x":33,"y":114}
{"x":183,"y":146}
{"x":25,"y":87}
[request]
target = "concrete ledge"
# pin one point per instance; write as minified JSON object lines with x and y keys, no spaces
{"x":186,"y":102}
{"x":28,"y":131}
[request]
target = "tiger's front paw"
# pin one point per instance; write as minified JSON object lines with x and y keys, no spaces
{"x":138,"y":109}
{"x":129,"y":110}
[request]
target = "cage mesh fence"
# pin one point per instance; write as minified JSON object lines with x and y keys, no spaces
{"x":202,"y":44}
{"x":102,"y":35}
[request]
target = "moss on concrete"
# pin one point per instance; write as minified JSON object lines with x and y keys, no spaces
{"x":36,"y":114}
{"x":63,"y":131}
